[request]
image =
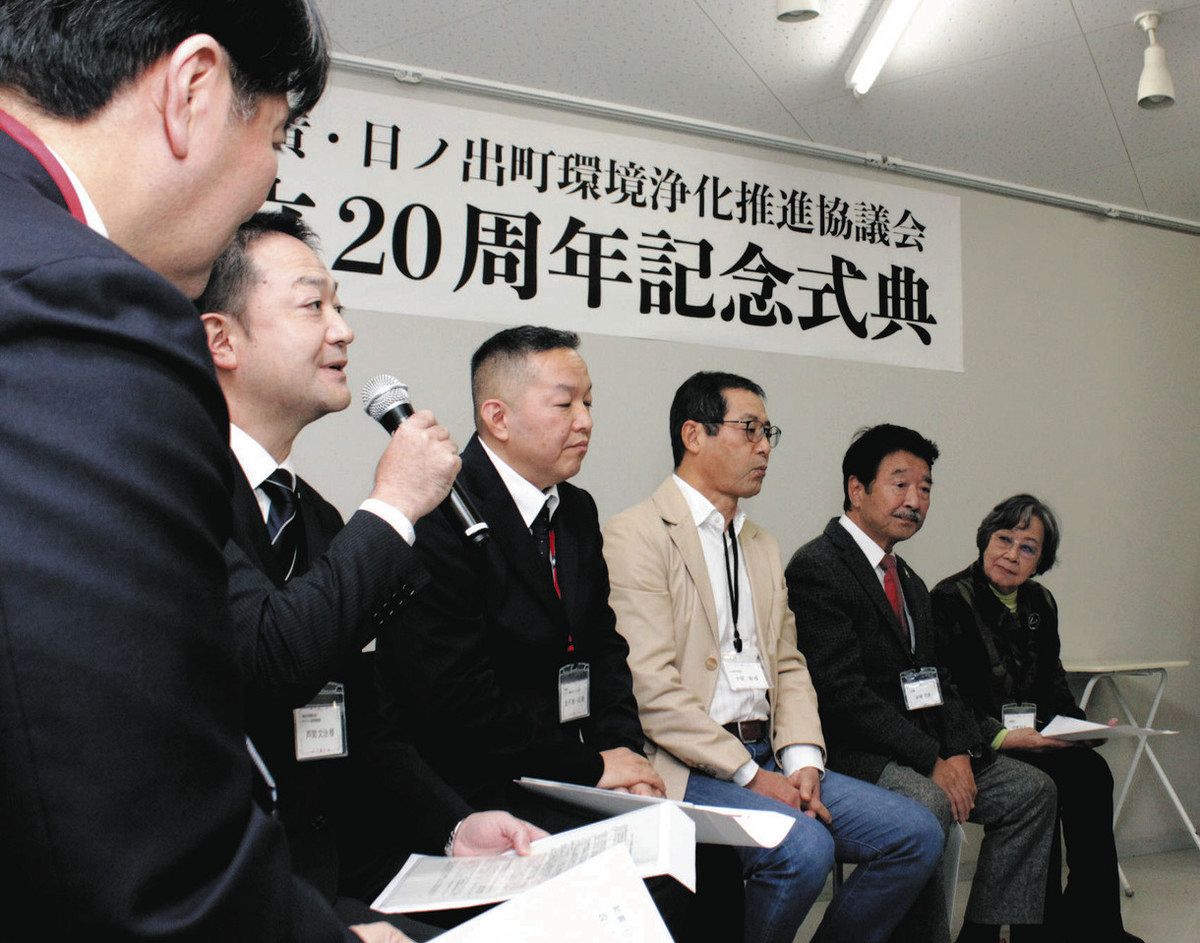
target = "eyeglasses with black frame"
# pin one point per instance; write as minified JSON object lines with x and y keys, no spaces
{"x":755,"y":430}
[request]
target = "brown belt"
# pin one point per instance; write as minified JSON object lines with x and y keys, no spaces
{"x":748,"y":730}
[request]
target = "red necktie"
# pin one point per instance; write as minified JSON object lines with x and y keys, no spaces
{"x":891,"y":586}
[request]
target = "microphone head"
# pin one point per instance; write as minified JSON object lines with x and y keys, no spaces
{"x":382,"y":394}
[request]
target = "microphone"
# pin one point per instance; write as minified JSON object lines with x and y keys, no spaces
{"x":385,"y":399}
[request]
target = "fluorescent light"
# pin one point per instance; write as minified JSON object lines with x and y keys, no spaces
{"x":881,"y":39}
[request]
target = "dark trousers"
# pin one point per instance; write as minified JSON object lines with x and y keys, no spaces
{"x":1090,"y":907}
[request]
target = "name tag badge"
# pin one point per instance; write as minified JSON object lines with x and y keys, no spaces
{"x":744,"y":672}
{"x":574,"y":692}
{"x":321,"y":725}
{"x":921,"y":688}
{"x":1019,"y":716}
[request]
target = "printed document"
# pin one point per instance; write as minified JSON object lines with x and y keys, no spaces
{"x":660,"y":839}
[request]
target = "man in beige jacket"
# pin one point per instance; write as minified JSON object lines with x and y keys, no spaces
{"x":724,"y":696}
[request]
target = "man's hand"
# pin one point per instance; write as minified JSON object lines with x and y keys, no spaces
{"x":807,"y":781}
{"x":1026,"y":738}
{"x":379,"y":933}
{"x":491,"y":833}
{"x":956,"y":780}
{"x":775,"y":786}
{"x":418,"y":466}
{"x":626,"y":771}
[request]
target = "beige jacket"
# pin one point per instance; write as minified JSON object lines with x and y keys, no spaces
{"x":665,"y":610}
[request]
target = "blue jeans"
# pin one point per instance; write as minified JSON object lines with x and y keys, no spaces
{"x":895,"y":843}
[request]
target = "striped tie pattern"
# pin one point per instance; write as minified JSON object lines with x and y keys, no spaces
{"x":283,"y":528}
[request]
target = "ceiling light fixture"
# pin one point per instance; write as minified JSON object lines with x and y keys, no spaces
{"x":1155,"y":88}
{"x":881,"y":39}
{"x":797,"y":11}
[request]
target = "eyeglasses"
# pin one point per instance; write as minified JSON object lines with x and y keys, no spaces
{"x":755,"y":430}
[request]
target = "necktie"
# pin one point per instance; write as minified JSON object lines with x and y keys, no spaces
{"x":283,"y":524}
{"x":891,"y":586}
{"x":543,"y":536}
{"x":540,"y":528}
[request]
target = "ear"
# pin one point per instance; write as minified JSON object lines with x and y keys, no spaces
{"x":856,"y":490}
{"x":194,"y":84}
{"x":494,"y":413}
{"x":219,"y":328}
{"x":690,"y":434}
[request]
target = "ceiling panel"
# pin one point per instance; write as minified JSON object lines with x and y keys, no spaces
{"x":359,"y":26}
{"x":1170,"y":183}
{"x":1116,"y":184}
{"x":1118,"y":55}
{"x":664,"y":56}
{"x":1037,"y":92}
{"x":1097,"y":14}
{"x":984,"y":117}
{"x":799,"y":61}
{"x":946,"y":33}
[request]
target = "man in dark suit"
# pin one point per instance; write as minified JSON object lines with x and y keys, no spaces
{"x":890,"y":713}
{"x":125,"y":784}
{"x":307,"y":593}
{"x":475,"y":671}
{"x":509,"y":663}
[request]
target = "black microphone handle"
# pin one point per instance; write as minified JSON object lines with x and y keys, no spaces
{"x":456,"y":504}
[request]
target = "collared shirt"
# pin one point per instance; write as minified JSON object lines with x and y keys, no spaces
{"x":728,"y":705}
{"x":90,"y":213}
{"x":528,"y":497}
{"x":874,"y":554}
{"x":257,"y":463}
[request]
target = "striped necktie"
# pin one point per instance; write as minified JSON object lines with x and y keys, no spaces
{"x":283,"y":519}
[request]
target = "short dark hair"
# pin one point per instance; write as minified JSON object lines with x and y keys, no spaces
{"x":71,"y":56}
{"x":701,"y":397}
{"x":870,"y":446}
{"x":1015,"y":512}
{"x":514,"y":344}
{"x":234,"y":270}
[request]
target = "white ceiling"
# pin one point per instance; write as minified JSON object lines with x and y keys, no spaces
{"x":1036,"y":92}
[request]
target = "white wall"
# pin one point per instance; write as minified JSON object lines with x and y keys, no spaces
{"x":1079,"y":385}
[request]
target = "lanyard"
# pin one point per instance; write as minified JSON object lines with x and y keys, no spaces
{"x":30,"y":141}
{"x":731,"y":579}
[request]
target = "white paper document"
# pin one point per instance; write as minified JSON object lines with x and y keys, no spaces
{"x":660,"y":840}
{"x":714,"y":825}
{"x":600,"y":901}
{"x":1070,"y":728}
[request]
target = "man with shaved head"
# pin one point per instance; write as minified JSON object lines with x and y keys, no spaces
{"x":479,"y":669}
{"x":509,"y":664}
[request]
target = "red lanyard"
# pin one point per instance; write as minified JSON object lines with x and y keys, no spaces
{"x":554,"y":576}
{"x":30,"y":141}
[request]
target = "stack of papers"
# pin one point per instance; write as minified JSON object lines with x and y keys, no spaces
{"x":658,"y":839}
{"x":599,"y":901}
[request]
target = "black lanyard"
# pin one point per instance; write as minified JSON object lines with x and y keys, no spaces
{"x":730,"y":547}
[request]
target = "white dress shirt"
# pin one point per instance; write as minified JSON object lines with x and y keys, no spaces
{"x":728,"y":705}
{"x":257,"y":463}
{"x":90,"y":213}
{"x":874,"y":554}
{"x":529,"y":498}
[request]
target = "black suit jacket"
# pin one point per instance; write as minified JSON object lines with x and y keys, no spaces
{"x":847,"y":630}
{"x":125,"y":786}
{"x":988,"y":671}
{"x":349,"y":827}
{"x":472,"y":674}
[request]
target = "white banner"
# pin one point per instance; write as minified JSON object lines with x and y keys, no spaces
{"x":450,"y":212}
